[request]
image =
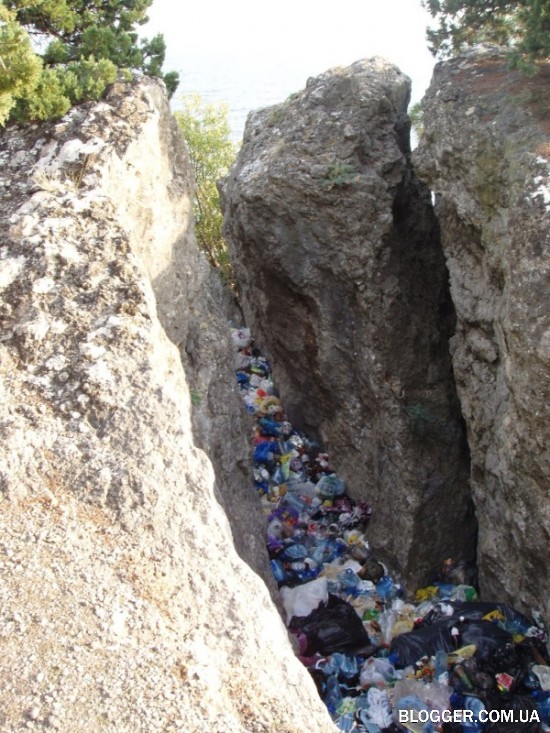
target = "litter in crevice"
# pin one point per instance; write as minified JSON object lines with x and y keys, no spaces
{"x":447,"y":662}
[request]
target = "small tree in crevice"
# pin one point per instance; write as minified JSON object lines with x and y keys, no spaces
{"x":205,"y":130}
{"x":416,"y":118}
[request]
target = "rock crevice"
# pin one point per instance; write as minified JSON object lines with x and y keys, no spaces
{"x":484,"y":153}
{"x":336,"y":250}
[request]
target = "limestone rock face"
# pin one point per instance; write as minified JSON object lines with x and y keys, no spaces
{"x":343,"y":282}
{"x":485,"y":154}
{"x":125,"y":606}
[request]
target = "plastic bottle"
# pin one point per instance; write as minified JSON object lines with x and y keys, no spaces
{"x":278,"y":570}
{"x":309,"y":572}
{"x":330,"y":486}
{"x":295,"y":552}
{"x":460,"y":674}
{"x":542,"y":700}
{"x":441,"y":672}
{"x":476,"y":706}
{"x":333,"y":695}
{"x":296,"y":502}
{"x":321,"y":552}
{"x":349,"y":580}
{"x":386,"y":589}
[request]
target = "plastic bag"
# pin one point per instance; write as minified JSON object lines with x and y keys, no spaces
{"x":513,"y":621}
{"x":379,"y":709}
{"x":488,"y":638}
{"x":343,"y":666}
{"x":435,"y":695}
{"x":333,"y":627}
{"x":525,"y":715}
{"x":270,"y":428}
{"x":304,"y":599}
{"x":240,"y":362}
{"x":543,"y":674}
{"x":376,"y":671}
{"x":414,"y":703}
{"x":265,"y":452}
{"x":241,"y":338}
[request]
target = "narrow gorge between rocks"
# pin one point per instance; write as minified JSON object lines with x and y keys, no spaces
{"x":410,"y":340}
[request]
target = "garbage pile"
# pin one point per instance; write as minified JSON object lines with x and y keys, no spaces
{"x":447,"y":662}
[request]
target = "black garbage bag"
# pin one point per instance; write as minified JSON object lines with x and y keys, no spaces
{"x":488,"y":637}
{"x":490,"y":641}
{"x":514,"y":621}
{"x":332,"y":627}
{"x":408,"y":648}
{"x":516,"y":714}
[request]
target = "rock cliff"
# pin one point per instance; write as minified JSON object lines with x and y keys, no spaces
{"x":124,"y":604}
{"x":342,"y":278}
{"x":485,"y":153}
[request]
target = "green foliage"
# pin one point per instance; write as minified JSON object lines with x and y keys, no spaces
{"x":341,"y":174}
{"x":196,"y":398}
{"x":205,"y":129}
{"x":83,"y":44}
{"x":417,"y":122}
{"x":58,"y":88}
{"x":44,"y":101}
{"x":521,"y":25}
{"x":20,"y":67}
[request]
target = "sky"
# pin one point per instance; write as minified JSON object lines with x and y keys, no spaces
{"x":250,"y":53}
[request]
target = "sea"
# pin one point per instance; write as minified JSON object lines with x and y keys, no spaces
{"x":240,"y":85}
{"x":243,"y":86}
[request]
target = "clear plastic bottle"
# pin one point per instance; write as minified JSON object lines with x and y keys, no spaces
{"x":441,"y":671}
{"x":333,"y":695}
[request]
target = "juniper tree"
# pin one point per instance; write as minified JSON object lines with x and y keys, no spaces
{"x":81,"y":45}
{"x":521,"y":25}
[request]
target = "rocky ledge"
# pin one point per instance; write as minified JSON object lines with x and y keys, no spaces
{"x":125,"y":606}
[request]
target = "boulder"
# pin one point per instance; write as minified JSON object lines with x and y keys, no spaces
{"x":342,"y":279}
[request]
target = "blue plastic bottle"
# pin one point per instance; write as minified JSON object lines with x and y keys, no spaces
{"x":542,"y":700}
{"x":333,"y":695}
{"x":278,"y":570}
{"x":476,"y":706}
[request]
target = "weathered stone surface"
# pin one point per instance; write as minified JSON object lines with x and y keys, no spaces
{"x":343,"y":282}
{"x":485,"y":154}
{"x":124,"y":604}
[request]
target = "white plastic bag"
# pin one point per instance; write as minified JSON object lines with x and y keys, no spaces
{"x":303,"y":599}
{"x":241,"y":337}
{"x":543,"y":674}
{"x":376,"y":671}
